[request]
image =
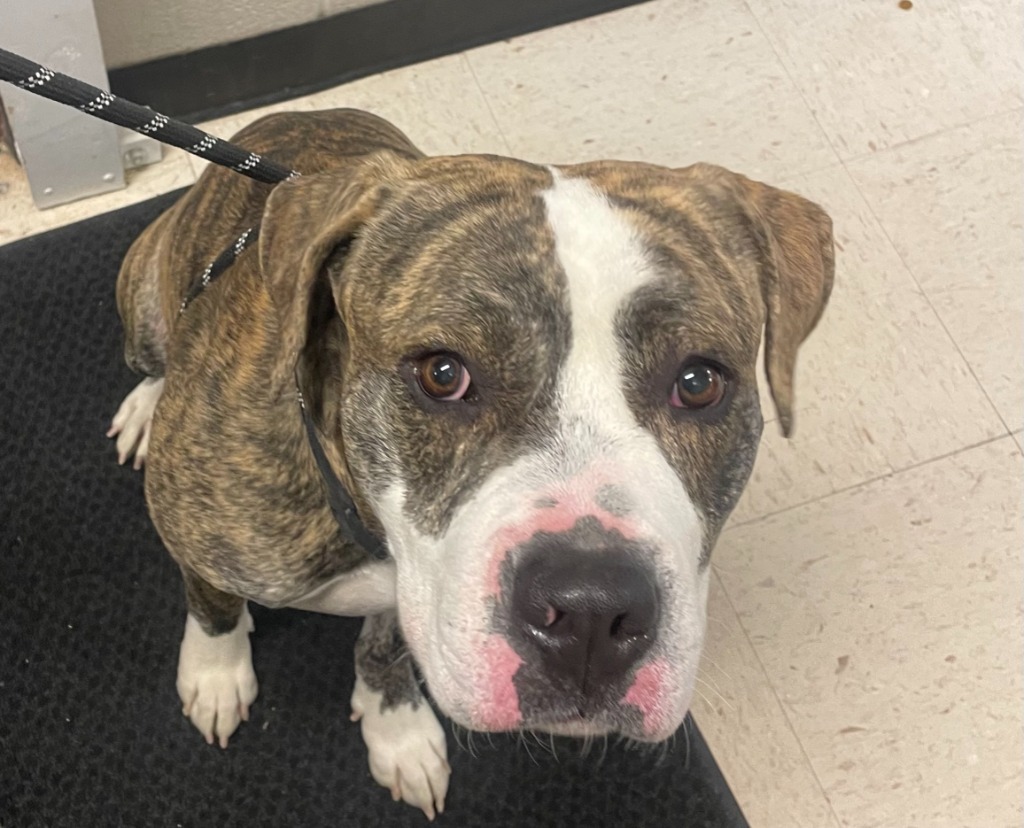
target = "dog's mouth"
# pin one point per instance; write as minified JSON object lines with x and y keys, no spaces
{"x":559,"y":713}
{"x":621,"y":721}
{"x":508,"y":692}
{"x":566,"y":720}
{"x":573,"y":715}
{"x":579,"y":728}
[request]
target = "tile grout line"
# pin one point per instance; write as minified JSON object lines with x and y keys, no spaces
{"x":868,"y":481}
{"x":869,"y":153}
{"x":924,"y":293}
{"x":843,"y":164}
{"x":854,"y":159}
{"x":464,"y":56}
{"x":796,"y":86}
{"x":778,"y":701}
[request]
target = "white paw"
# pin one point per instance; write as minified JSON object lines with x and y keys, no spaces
{"x":134,"y":419}
{"x":216,"y":681}
{"x":408,"y":752}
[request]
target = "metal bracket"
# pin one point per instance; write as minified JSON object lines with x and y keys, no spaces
{"x":66,"y":155}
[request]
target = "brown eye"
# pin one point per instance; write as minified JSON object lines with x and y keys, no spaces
{"x":443,"y":377}
{"x":699,"y":385}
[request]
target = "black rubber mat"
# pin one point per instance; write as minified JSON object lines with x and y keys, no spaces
{"x":91,"y":613}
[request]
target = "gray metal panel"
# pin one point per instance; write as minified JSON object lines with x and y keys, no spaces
{"x":68,"y":155}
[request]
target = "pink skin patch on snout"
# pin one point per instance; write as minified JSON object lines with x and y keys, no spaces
{"x":499,"y":706}
{"x":647,"y":694}
{"x":561,"y":518}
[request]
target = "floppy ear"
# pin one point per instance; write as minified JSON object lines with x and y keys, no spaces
{"x":796,"y":270}
{"x":304,"y":221}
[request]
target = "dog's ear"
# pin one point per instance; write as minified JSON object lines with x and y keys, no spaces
{"x":796,"y":267}
{"x":305,"y":220}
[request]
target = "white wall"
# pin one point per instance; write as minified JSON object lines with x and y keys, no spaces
{"x":134,"y":31}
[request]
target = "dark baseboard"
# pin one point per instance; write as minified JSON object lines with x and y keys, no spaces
{"x":219,"y":80}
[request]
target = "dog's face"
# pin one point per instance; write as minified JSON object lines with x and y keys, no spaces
{"x":548,"y":402}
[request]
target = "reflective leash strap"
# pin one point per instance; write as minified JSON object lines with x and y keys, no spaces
{"x":219,"y":265}
{"x":91,"y":100}
{"x":36,"y":78}
{"x":39,"y":80}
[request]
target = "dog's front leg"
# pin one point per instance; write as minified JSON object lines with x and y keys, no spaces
{"x":216,"y":681}
{"x":408,"y":752}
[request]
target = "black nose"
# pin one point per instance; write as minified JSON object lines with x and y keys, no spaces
{"x":590,"y":615}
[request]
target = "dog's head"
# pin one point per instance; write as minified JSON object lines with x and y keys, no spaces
{"x":545,"y":382}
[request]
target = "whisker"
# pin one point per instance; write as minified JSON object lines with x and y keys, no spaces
{"x":717,"y":692}
{"x":704,"y":698}
{"x":547,"y":746}
{"x":705,"y":659}
{"x":686,"y":734}
{"x":725,"y":625}
{"x":666,"y":748}
{"x":526,"y":746}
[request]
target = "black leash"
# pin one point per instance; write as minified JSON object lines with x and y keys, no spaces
{"x":99,"y":103}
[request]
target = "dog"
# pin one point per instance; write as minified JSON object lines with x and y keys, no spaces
{"x":536,"y":383}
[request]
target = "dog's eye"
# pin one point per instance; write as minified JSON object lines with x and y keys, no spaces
{"x":699,"y":385}
{"x":443,"y":377}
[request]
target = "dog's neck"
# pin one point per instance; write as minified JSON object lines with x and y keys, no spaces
{"x":319,"y":380}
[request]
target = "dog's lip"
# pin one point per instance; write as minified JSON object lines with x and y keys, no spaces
{"x":574,"y":722}
{"x":578,"y":727}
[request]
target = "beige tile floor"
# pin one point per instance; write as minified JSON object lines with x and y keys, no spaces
{"x":865,"y":647}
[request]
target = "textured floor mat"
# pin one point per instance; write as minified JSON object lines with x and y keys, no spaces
{"x":91,"y":613}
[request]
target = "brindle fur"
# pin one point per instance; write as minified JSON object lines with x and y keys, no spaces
{"x":385,"y":664}
{"x":217,"y":611}
{"x":231,"y":486}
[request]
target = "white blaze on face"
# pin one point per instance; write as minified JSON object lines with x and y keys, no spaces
{"x":604,"y":264}
{"x":447,"y":585}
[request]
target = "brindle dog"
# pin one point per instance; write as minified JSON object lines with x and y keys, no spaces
{"x":536,"y":383}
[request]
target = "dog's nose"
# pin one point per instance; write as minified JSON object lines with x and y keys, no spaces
{"x":589,"y":615}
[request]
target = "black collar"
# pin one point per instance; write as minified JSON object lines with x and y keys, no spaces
{"x":342,"y":506}
{"x":344,"y":509}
